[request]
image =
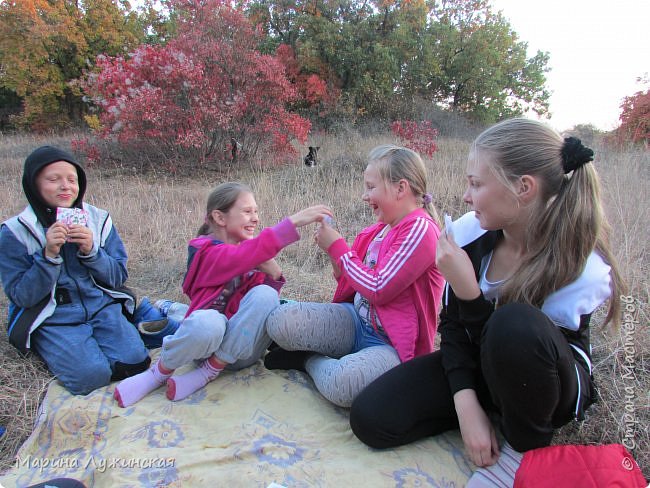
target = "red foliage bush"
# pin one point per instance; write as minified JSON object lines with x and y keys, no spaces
{"x":312,"y":88}
{"x":87,"y":149}
{"x":418,"y":136}
{"x":635,"y":118}
{"x":205,"y":87}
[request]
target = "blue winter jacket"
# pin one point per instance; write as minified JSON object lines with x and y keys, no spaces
{"x":67,"y":290}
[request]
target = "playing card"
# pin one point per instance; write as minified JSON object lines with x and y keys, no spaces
{"x":72,"y":215}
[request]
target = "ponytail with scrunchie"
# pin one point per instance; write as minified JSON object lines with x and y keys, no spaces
{"x":575,"y":154}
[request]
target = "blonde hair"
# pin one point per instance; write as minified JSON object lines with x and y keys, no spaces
{"x":395,"y":163}
{"x":568,"y":223}
{"x":222,"y":198}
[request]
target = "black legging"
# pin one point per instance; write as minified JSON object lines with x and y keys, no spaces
{"x":528,"y":375}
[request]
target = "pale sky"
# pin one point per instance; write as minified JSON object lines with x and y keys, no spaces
{"x":597,"y":50}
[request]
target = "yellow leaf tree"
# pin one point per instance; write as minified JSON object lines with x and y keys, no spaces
{"x":45,"y":44}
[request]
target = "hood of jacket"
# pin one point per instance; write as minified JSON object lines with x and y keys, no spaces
{"x":34,"y":163}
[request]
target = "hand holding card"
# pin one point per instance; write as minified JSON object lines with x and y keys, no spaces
{"x":329,"y":221}
{"x":71,"y":216}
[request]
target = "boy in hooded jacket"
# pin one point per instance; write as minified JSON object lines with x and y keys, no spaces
{"x":64,"y":278}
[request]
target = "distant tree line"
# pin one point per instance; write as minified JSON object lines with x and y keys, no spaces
{"x":203,"y":73}
{"x":362,"y":58}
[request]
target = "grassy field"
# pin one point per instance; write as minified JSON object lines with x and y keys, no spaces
{"x":156,"y":214}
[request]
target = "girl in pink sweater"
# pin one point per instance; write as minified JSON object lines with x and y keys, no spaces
{"x":388,"y":288}
{"x":233,"y":282}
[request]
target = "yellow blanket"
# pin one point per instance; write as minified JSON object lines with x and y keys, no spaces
{"x":250,"y":428}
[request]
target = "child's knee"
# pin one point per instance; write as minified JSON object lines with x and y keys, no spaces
{"x":290,"y":315}
{"x":520,"y":338}
{"x":203,"y":327}
{"x":275,"y":323}
{"x":93,"y":375}
{"x":515,"y":328}
{"x":264,"y":297}
{"x":132,"y":352}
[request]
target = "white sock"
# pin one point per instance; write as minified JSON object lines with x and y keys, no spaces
{"x":135,"y":388}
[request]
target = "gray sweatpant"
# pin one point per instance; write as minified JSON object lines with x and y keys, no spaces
{"x":239,"y":342}
{"x":342,"y":366}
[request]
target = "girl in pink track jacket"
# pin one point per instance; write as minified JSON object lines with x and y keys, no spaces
{"x":389,"y":289}
{"x":233,"y":282}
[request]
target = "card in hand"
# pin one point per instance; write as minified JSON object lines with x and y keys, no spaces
{"x":71,"y":216}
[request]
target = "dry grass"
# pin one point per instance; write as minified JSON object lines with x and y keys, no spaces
{"x":156,"y":215}
{"x":621,"y":358}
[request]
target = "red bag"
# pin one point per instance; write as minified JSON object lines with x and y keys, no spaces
{"x":574,"y":466}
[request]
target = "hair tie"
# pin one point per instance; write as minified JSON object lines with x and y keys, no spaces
{"x":574,"y":154}
{"x":427,"y":198}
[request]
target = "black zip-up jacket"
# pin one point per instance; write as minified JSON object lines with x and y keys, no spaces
{"x":461,"y":322}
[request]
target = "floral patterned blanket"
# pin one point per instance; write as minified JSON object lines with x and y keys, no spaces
{"x":251,"y":428}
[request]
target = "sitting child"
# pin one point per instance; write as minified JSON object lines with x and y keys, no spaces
{"x":233,"y":282}
{"x":63,"y":270}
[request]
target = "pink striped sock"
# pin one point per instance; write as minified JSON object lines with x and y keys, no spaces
{"x":135,"y":388}
{"x":180,"y":387}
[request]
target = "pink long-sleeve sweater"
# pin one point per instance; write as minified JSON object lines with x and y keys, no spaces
{"x":214,"y":264}
{"x":405,"y":286}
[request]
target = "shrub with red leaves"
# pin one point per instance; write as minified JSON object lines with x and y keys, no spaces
{"x":204,"y":88}
{"x":418,"y":136}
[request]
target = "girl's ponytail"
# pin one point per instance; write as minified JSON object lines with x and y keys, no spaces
{"x":203,"y":230}
{"x":427,"y":204}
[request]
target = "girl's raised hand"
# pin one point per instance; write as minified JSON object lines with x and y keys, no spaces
{"x":310,"y":215}
{"x":456,"y":267}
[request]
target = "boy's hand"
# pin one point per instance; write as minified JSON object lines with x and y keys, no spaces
{"x":55,"y":237}
{"x":82,"y":236}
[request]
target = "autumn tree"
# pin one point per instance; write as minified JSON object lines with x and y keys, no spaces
{"x":208,"y":93}
{"x":355,"y":41}
{"x":337,"y":40}
{"x":454,"y":53}
{"x":635,"y":118}
{"x":44,"y":44}
{"x":10,"y":107}
{"x":315,"y":95}
{"x":481,"y":67}
{"x":282,"y":24}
